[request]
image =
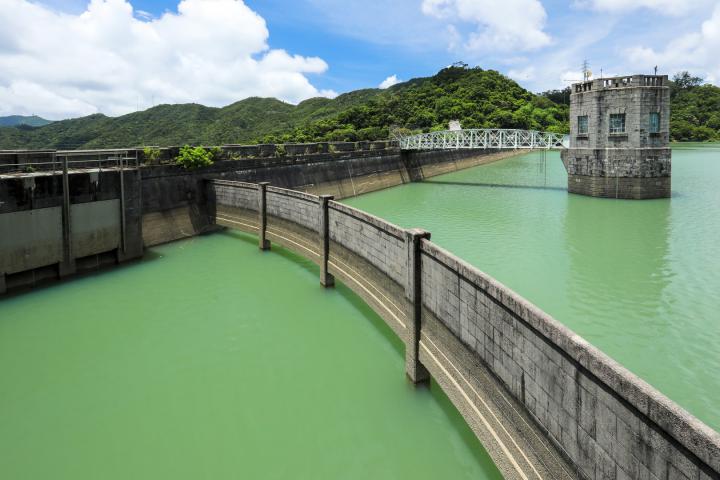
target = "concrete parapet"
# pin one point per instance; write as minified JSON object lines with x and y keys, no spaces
{"x":544,"y":402}
{"x":267,"y":150}
{"x":343,"y":146}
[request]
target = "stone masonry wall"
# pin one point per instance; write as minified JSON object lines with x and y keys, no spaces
{"x":377,"y":241}
{"x":596,"y":415}
{"x":297,"y":207}
{"x":226,"y":193}
{"x":608,"y":422}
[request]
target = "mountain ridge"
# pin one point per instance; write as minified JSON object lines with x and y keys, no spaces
{"x":477,"y":97}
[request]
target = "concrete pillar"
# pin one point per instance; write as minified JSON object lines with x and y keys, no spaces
{"x":416,"y":372}
{"x":262,"y":212}
{"x":326,"y":279}
{"x":67,"y":266}
{"x":3,"y":284}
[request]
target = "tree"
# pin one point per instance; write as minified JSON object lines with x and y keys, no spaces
{"x":684,"y":81}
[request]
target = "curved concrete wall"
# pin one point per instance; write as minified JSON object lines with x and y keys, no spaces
{"x":543,"y":401}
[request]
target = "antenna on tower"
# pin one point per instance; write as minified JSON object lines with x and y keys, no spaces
{"x":586,"y":71}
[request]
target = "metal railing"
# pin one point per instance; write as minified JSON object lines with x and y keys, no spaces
{"x":60,"y":161}
{"x":487,"y":138}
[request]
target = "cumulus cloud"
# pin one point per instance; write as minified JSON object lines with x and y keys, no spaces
{"x":389,"y":82}
{"x":696,"y":51}
{"x":500,"y":26}
{"x":111,"y":59}
{"x":670,"y":7}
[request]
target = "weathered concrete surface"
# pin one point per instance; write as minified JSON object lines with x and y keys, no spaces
{"x":341,"y":174}
{"x":30,"y":239}
{"x":634,"y":163}
{"x":605,"y":420}
{"x":95,"y":227}
{"x":54,"y":224}
{"x":545,"y":403}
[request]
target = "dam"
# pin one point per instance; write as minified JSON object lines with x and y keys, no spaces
{"x":597,"y":419}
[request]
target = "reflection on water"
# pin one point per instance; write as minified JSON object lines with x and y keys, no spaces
{"x":618,"y":252}
{"x":639,"y":279}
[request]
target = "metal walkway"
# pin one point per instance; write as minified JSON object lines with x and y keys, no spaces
{"x":484,"y":138}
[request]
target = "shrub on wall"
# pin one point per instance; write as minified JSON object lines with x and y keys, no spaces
{"x":151,"y":154}
{"x":191,"y":158}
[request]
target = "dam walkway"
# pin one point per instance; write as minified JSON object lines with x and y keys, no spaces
{"x":485,"y":138}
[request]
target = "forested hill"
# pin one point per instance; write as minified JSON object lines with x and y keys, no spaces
{"x":478,"y":98}
{"x":17,"y":120}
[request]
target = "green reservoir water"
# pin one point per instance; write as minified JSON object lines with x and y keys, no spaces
{"x":212,"y":360}
{"x":638,"y":279}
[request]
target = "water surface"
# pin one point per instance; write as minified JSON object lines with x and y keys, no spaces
{"x":639,"y":279}
{"x":211,"y":360}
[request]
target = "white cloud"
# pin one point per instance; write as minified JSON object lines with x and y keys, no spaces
{"x":670,"y":7}
{"x":695,"y":51}
{"x":500,"y":26}
{"x":108,"y":60}
{"x":389,"y":82}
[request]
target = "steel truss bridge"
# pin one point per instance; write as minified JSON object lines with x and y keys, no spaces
{"x":485,"y":138}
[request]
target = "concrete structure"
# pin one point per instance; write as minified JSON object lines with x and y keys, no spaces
{"x":544,"y":402}
{"x":87,"y":214}
{"x":58,"y":221}
{"x":619,"y":138}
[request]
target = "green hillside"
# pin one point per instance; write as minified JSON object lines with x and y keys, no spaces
{"x":17,"y":120}
{"x":479,"y":98}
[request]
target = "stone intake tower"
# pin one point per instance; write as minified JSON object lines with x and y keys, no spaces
{"x":619,"y":138}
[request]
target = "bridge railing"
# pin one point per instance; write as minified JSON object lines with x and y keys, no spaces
{"x":484,"y":138}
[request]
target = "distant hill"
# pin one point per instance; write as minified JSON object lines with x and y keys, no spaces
{"x":16,"y":120}
{"x":477,"y":97}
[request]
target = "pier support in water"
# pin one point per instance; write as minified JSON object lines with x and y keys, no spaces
{"x":264,"y":243}
{"x":415,"y":370}
{"x":326,"y":278}
{"x":67,"y":266}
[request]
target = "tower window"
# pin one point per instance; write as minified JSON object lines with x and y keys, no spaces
{"x":617,"y":123}
{"x":654,"y":122}
{"x":582,"y":125}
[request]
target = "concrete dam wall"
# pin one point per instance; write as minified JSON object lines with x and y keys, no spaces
{"x":54,"y":224}
{"x":544,"y":402}
{"x":55,"y":221}
{"x":173,"y":198}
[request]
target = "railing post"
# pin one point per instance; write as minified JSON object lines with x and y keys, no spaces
{"x":415,"y":371}
{"x":264,"y":243}
{"x":326,"y":279}
{"x":67,"y":266}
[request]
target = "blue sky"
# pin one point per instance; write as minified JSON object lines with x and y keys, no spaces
{"x":302,"y":48}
